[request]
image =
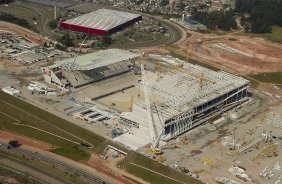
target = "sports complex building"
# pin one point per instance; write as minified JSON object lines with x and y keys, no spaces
{"x":101,"y":22}
{"x":89,"y":68}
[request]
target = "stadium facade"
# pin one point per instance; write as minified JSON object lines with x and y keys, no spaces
{"x":89,"y":68}
{"x":101,"y":22}
{"x":177,"y":111}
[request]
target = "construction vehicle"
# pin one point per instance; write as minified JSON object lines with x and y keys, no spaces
{"x":160,"y":159}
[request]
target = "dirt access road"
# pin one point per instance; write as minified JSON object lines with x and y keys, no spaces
{"x":241,"y":55}
{"x":26,"y":33}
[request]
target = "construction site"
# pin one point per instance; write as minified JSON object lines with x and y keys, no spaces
{"x":159,"y":105}
{"x":190,"y":106}
{"x":132,"y":96}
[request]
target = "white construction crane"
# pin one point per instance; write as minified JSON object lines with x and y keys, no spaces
{"x":155,"y":138}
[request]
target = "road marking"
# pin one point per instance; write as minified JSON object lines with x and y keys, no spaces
{"x":11,"y":117}
{"x":157,"y":173}
{"x":19,"y":124}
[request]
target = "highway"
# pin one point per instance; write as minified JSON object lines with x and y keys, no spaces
{"x":59,"y":162}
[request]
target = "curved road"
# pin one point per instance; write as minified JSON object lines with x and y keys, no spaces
{"x":177,"y":33}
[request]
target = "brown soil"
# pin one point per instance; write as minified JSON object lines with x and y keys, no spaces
{"x":26,"y":141}
{"x":28,"y":34}
{"x":263,"y":56}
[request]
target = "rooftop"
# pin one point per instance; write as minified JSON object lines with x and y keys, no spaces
{"x":189,"y":94}
{"x":96,"y":59}
{"x":102,"y":19}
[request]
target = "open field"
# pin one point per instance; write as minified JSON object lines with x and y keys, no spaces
{"x":275,"y":36}
{"x":73,"y":153}
{"x":68,"y":149}
{"x":143,"y":161}
{"x":37,"y":15}
{"x":240,"y":55}
{"x":36,"y":123}
{"x":275,"y":77}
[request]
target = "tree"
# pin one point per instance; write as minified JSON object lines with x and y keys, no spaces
{"x":261,"y":14}
{"x":107,"y":40}
{"x":216,"y":19}
{"x":164,"y":2}
{"x":53,"y":24}
{"x":66,"y":40}
{"x":14,"y":143}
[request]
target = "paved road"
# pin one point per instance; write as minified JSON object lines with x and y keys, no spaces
{"x":42,"y":19}
{"x":60,"y":162}
{"x":30,"y":171}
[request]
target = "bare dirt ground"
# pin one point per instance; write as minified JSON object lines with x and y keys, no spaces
{"x":26,"y":141}
{"x":254,"y":56}
{"x":251,"y":55}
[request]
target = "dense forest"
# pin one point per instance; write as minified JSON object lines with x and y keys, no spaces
{"x":216,"y":19}
{"x":12,"y":19}
{"x":258,"y":16}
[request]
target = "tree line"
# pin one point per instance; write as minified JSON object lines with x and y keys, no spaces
{"x":12,"y":19}
{"x":216,"y":19}
{"x":258,"y":16}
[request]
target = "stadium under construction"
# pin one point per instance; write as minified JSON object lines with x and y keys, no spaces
{"x":164,"y":104}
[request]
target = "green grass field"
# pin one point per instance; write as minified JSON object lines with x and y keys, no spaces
{"x":73,"y":153}
{"x":68,"y":149}
{"x":43,"y":121}
{"x":275,"y":77}
{"x":153,"y":165}
{"x":275,"y":36}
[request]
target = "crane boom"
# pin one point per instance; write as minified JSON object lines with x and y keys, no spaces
{"x":152,"y":125}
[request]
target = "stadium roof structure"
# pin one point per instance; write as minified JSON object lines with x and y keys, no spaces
{"x":101,"y":22}
{"x":96,"y":59}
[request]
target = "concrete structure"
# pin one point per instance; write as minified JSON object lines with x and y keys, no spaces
{"x":101,"y":22}
{"x":179,"y":103}
{"x":89,"y":68}
{"x":11,"y":90}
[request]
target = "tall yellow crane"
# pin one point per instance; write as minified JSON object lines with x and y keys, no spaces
{"x":201,"y":76}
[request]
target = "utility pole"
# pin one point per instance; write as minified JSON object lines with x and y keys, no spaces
{"x":55,"y":12}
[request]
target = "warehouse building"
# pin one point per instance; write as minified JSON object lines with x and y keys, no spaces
{"x":101,"y":22}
